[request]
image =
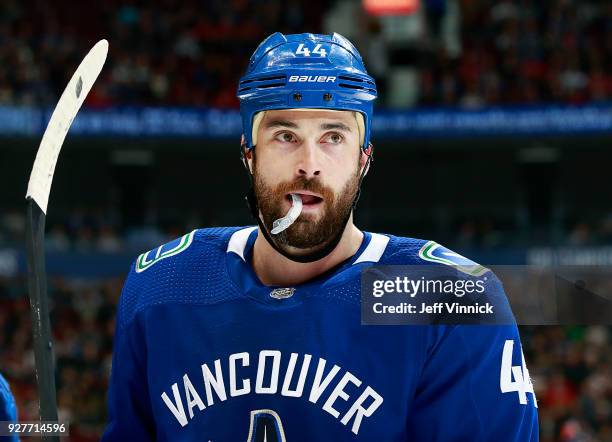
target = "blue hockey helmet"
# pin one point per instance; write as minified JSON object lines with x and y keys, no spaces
{"x":306,"y":71}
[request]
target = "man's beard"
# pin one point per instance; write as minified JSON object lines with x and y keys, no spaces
{"x":307,"y":232}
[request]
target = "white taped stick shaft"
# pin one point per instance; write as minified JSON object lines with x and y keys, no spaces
{"x":65,"y":111}
{"x":283,"y":223}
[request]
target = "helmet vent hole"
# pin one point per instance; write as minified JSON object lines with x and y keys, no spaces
{"x":264,"y":86}
{"x":327,"y":96}
{"x":351,"y":86}
{"x":297,"y":97}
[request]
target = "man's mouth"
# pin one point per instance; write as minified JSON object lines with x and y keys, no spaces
{"x":308,"y":199}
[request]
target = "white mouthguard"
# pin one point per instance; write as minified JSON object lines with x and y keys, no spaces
{"x":283,"y":223}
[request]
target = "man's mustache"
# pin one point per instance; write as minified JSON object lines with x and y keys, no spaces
{"x":309,"y":185}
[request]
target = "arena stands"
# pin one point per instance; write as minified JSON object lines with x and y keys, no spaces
{"x":174,"y":52}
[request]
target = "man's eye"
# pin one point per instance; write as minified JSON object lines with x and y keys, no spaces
{"x":334,"y":138}
{"x":285,"y":137}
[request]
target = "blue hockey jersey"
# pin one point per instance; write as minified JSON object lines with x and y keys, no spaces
{"x":8,"y":408}
{"x":204,"y":351}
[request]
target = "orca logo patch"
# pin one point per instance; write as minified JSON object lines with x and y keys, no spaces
{"x":434,"y":252}
{"x":172,"y":248}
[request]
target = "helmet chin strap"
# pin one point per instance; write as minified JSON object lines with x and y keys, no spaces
{"x":251,"y":201}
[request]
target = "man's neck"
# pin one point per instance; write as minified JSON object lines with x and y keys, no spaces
{"x":272,"y":268}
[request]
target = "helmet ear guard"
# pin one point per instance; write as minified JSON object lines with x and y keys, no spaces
{"x":244,"y":151}
{"x":370,"y":153}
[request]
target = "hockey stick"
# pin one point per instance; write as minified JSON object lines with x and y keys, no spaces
{"x":37,"y":198}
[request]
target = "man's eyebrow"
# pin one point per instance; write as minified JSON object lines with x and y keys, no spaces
{"x":339,"y":125}
{"x":280,"y":123}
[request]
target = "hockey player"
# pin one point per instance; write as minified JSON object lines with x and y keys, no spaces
{"x":8,"y":408}
{"x":254,"y":333}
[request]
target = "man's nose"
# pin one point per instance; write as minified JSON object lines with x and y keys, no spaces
{"x":309,"y":165}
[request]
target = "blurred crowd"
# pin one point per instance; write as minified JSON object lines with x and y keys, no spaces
{"x":488,"y":233}
{"x":95,"y":230}
{"x":524,"y":52}
{"x":174,"y":52}
{"x":570,"y":369}
{"x":83,"y":318}
{"x":570,"y":366}
{"x":189,"y":52}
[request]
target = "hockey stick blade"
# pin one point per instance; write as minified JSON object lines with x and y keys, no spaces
{"x":65,"y":111}
{"x":37,"y":196}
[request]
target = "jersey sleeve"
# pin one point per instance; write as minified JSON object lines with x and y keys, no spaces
{"x":129,"y":408}
{"x":474,"y":385}
{"x":8,"y":407}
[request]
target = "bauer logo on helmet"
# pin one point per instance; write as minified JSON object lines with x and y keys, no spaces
{"x":311,"y":79}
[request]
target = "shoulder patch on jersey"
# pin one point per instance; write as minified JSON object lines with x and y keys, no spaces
{"x":434,"y":252}
{"x":167,"y":250}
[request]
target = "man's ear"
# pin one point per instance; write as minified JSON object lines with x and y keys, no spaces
{"x":247,"y":154}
